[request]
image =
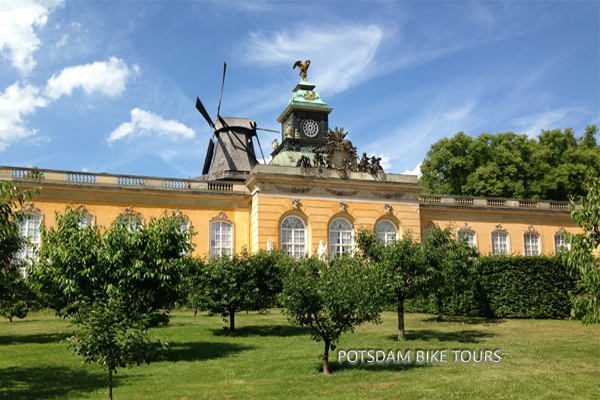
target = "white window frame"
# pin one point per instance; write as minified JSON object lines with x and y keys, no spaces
{"x":561,"y":234}
{"x":387,"y":236}
{"x":294,"y":247}
{"x":465,"y":231}
{"x":335,"y":236}
{"x":500,"y":232}
{"x":531,"y":244}
{"x":223,"y":222}
{"x":131,"y":219}
{"x":29,"y":229}
{"x":531,"y":247}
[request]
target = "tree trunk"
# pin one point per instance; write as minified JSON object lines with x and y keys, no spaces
{"x":440,"y":302}
{"x":232,"y":321}
{"x":110,"y":385}
{"x":10,"y":319}
{"x":326,"y":358}
{"x":400,"y":318}
{"x":195,"y":311}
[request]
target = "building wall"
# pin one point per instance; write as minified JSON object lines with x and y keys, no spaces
{"x":517,"y":222}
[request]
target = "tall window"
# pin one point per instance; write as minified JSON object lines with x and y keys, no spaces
{"x":221,"y":241}
{"x":560,"y":244}
{"x":86,"y":221}
{"x":30,"y":230}
{"x":499,"y":243}
{"x":470,"y":236}
{"x":340,"y":237}
{"x":293,"y":237}
{"x":532,"y":244}
{"x":132,"y":224}
{"x":386,"y":231}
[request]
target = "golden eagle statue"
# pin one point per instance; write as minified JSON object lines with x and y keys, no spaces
{"x":303,"y":67}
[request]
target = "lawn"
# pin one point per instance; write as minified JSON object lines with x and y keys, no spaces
{"x":268,"y":358}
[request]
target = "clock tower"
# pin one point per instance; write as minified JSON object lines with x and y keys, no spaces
{"x":304,"y":125}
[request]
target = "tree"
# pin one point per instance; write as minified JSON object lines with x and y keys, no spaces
{"x":15,"y":296}
{"x":114,"y":284}
{"x":403,"y":265}
{"x":333,"y":299}
{"x":581,"y":260}
{"x":242,"y":282}
{"x":450,"y":262}
{"x":510,"y":165}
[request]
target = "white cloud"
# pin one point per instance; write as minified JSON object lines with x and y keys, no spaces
{"x":341,"y":56}
{"x":16,"y":102}
{"x":415,"y":171}
{"x":107,"y":77}
{"x":146,"y":123}
{"x":63,"y":40}
{"x":18,"y":39}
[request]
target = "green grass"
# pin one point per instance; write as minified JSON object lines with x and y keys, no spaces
{"x":268,"y":358}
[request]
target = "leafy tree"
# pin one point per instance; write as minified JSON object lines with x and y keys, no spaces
{"x":513,"y":166}
{"x":15,"y":296}
{"x":448,"y":164}
{"x":333,"y":299}
{"x":582,"y":259}
{"x":242,"y":282}
{"x":114,"y":284}
{"x":403,"y":264}
{"x":450,"y":260}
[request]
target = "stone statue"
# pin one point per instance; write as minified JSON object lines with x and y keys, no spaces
{"x":269,"y":245}
{"x":303,"y":67}
{"x":322,"y":251}
{"x":275,"y":144}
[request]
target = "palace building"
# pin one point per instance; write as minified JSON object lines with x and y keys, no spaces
{"x":316,"y":190}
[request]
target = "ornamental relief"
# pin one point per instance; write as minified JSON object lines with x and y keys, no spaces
{"x":343,"y":207}
{"x":295,"y":204}
{"x":29,"y":208}
{"x":341,"y":193}
{"x":466,"y":228}
{"x":129,"y":212}
{"x":221,"y":217}
{"x":390,"y":195}
{"x":389,"y":210}
{"x":292,"y":189}
{"x":179,"y":215}
{"x":500,"y":229}
{"x":561,"y":231}
{"x":531,"y":231}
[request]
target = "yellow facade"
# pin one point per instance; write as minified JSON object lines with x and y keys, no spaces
{"x":257,"y":207}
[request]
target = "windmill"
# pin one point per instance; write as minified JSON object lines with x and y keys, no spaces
{"x":232,"y":156}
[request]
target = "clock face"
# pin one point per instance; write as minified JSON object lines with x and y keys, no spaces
{"x":310,"y":128}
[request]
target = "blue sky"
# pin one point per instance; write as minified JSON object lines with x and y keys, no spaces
{"x":110,"y":86}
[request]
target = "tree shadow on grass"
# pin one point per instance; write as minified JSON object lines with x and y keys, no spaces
{"x":465,"y":320}
{"x":426,"y":335}
{"x":201,"y":351}
{"x":40,"y":338}
{"x":264,"y":330}
{"x":49,"y":382}
{"x":388,"y":367}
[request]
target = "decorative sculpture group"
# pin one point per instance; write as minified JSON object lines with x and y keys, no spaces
{"x":337,"y":142}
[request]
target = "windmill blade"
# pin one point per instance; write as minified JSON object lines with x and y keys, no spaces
{"x":209,"y":156}
{"x":222,"y":85}
{"x":202,"y":110}
{"x":268,"y":130}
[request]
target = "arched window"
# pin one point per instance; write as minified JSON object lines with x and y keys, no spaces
{"x":131,"y":219}
{"x":221,"y":241}
{"x":293,"y":236}
{"x":341,"y":239}
{"x":560,"y":242}
{"x":499,"y":243}
{"x":531,"y":242}
{"x":29,"y":229}
{"x":386,"y":231}
{"x":468,"y":233}
{"x":87,"y":218}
